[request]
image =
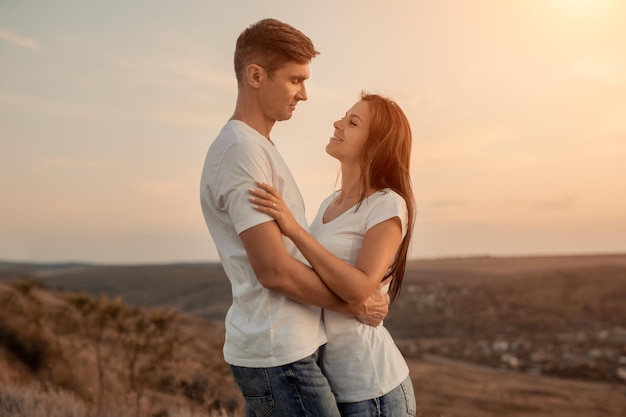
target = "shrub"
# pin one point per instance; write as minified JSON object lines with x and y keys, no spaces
{"x":30,"y":348}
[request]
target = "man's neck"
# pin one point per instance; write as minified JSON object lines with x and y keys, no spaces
{"x":253,"y":117}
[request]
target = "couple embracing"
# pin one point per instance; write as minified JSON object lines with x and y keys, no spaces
{"x":304,"y":334}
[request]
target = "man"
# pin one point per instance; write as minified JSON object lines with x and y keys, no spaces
{"x":274,"y":327}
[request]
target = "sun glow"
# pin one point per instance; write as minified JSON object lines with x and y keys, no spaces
{"x":583,"y":7}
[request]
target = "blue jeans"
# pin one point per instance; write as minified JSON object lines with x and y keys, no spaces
{"x":400,"y":402}
{"x":293,"y":390}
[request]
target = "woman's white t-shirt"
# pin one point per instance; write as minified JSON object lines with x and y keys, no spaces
{"x":360,"y":361}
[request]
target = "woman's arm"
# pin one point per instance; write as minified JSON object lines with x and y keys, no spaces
{"x":277,"y":270}
{"x":352,"y":284}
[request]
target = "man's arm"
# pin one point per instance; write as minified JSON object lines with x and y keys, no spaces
{"x":277,"y":270}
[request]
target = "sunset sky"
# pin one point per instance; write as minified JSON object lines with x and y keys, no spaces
{"x":518,"y":111}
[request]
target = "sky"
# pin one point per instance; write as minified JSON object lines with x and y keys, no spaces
{"x":517,"y":108}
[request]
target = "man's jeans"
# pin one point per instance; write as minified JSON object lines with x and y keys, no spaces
{"x":298,"y":389}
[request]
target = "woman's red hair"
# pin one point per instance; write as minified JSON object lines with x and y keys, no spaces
{"x":386,"y":162}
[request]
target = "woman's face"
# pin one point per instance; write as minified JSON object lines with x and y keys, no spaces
{"x":351,"y":132}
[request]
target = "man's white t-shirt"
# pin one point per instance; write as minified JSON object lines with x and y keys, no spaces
{"x":361,"y":362}
{"x":264,"y":328}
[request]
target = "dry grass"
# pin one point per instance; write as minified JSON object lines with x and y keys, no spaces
{"x":568,"y":309}
{"x":37,"y":400}
{"x":68,"y":354}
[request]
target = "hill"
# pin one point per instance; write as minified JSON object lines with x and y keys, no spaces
{"x":198,"y":289}
{"x":487,"y":336}
{"x":560,"y":316}
{"x":68,"y":354}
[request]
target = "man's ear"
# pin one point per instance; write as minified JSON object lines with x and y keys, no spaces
{"x":254,"y":74}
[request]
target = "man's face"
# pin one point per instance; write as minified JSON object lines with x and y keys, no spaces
{"x":280,"y":94}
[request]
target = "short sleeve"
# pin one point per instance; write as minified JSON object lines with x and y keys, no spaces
{"x":242,"y":165}
{"x":388,"y":204}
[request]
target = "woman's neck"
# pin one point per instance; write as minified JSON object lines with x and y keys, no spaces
{"x":352,"y":186}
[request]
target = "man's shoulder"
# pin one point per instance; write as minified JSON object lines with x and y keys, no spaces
{"x":237,"y":134}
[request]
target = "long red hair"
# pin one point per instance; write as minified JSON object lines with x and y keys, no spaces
{"x":386,"y":160}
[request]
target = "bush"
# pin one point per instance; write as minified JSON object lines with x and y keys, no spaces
{"x":29,"y":347}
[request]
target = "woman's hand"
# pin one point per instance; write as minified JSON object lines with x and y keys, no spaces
{"x":267,"y":200}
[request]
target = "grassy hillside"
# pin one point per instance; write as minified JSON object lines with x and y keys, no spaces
{"x":69,"y":354}
{"x":198,"y":289}
{"x":560,"y":315}
{"x":524,"y":318}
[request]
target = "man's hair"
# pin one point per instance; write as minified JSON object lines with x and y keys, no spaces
{"x":271,"y":44}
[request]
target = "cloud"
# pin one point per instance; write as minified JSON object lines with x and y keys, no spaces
{"x":603,"y":69}
{"x":172,"y":189}
{"x":562,"y":202}
{"x":443,"y":209}
{"x":71,"y":163}
{"x":612,"y":122}
{"x":444,"y":203}
{"x":170,"y":70}
{"x":202,"y":74}
{"x":18,"y":40}
{"x":189,"y":117}
{"x":430,"y":97}
{"x":45,"y":106}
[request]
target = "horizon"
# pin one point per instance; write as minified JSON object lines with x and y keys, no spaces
{"x":409,"y":260}
{"x":516,"y":108}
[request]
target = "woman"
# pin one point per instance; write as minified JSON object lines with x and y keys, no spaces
{"x":361,"y":235}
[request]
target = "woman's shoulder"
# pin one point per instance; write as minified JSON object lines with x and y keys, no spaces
{"x":385,"y":200}
{"x":384,"y":204}
{"x":389,"y":195}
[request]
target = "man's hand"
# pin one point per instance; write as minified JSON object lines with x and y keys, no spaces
{"x":376,"y":307}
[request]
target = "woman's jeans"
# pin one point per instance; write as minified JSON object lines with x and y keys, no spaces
{"x":400,"y":402}
{"x":298,"y":389}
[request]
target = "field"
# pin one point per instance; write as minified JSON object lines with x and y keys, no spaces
{"x":488,"y":336}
